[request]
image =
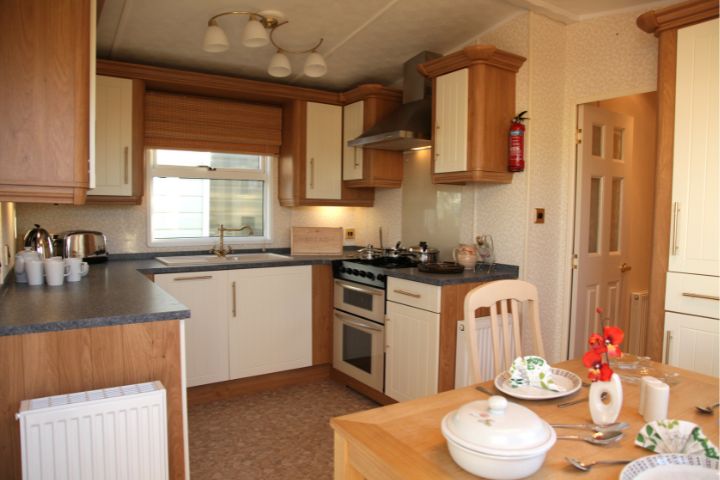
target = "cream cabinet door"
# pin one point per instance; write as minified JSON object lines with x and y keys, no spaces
{"x":353,"y":118}
{"x":113,"y":137}
{"x":412,"y":340}
{"x":270,"y":322}
{"x":323,"y":151}
{"x":451,"y":122}
{"x":696,"y":204}
{"x":206,"y":331}
{"x":692,"y":343}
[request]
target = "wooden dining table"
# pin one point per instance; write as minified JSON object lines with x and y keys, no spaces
{"x":404,"y":441}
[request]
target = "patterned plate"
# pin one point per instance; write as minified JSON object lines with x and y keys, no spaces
{"x":671,"y":467}
{"x":563,"y":378}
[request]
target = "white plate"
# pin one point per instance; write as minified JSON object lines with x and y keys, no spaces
{"x":671,"y":466}
{"x":562,"y":378}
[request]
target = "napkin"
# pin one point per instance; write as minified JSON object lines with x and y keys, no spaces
{"x":534,"y":371}
{"x":675,"y":436}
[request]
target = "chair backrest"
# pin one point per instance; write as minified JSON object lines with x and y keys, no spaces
{"x":504,"y":292}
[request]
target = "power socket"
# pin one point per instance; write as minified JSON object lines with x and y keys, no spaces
{"x":349,"y":234}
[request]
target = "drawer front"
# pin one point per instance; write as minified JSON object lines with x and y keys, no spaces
{"x":693,"y":294}
{"x":414,"y":294}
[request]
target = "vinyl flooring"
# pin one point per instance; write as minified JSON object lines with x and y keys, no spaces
{"x":277,"y":434}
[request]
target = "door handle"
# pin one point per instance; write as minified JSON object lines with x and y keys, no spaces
{"x":676,"y":213}
{"x":312,"y":173}
{"x":625,"y":267}
{"x":700,"y":295}
{"x":409,"y":294}
{"x":668,"y":338}
{"x":126,"y":164}
{"x":200,"y":277}
{"x":234,"y":300}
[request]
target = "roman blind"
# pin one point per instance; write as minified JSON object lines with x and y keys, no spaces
{"x":177,"y":121}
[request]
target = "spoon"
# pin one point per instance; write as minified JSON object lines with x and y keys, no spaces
{"x":591,"y":426}
{"x":597,"y":438}
{"x":580,"y":465}
{"x":707,"y":410}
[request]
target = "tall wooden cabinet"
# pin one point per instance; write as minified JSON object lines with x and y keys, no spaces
{"x":473,"y":105}
{"x":47,"y":53}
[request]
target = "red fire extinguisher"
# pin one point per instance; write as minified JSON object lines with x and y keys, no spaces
{"x":516,"y":159}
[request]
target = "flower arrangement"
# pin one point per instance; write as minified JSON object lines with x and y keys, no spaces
{"x":608,"y":344}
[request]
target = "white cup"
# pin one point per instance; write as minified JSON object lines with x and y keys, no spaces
{"x":34,"y":271}
{"x":654,"y":399}
{"x":77,"y":267}
{"x":56,"y":271}
{"x":20,"y":259}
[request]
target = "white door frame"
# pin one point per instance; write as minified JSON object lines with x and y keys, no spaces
{"x":570,"y":188}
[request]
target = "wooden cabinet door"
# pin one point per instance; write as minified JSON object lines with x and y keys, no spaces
{"x":411,"y":352}
{"x":451,"y":122}
{"x":206,"y":331}
{"x":696,"y":204}
{"x":692,"y":343}
{"x":270,"y":322}
{"x":113,"y":136}
{"x":353,"y":118}
{"x":323,"y":151}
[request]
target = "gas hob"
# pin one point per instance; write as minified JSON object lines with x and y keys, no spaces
{"x":372,"y":271}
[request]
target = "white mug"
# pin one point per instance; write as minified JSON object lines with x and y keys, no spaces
{"x":20,"y":259}
{"x":34,"y":271}
{"x":78,"y":268}
{"x":56,"y":271}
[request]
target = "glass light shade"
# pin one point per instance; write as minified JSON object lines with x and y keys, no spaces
{"x":254,"y":34}
{"x":215,"y":39}
{"x":315,"y":65}
{"x":279,"y":65}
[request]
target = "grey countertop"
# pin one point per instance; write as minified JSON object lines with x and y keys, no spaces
{"x":116,"y":292}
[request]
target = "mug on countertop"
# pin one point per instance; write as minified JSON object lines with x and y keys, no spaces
{"x":78,"y":268}
{"x":55,"y":271}
{"x":34,"y":269}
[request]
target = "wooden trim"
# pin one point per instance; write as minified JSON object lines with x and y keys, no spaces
{"x":243,"y":386}
{"x":196,"y":83}
{"x":360,"y":387}
{"x":322,"y":314}
{"x":54,"y":363}
{"x":42,"y":194}
{"x":367,"y":90}
{"x":460,"y":178}
{"x":472,"y":55}
{"x":678,"y":16}
{"x":667,"y":63}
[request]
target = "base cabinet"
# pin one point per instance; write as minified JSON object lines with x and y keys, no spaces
{"x":692,"y":343}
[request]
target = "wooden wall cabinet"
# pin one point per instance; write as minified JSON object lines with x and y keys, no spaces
{"x":473,"y":105}
{"x":366,"y":167}
{"x":45,"y":99}
{"x":310,"y":160}
{"x":119,"y":145}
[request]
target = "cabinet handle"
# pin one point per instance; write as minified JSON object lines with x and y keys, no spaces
{"x":234,"y":300}
{"x":676,"y":214}
{"x":355,"y":160}
{"x":126,"y":163}
{"x":668,"y":338}
{"x":409,"y":294}
{"x":700,"y":295}
{"x":201,"y":277}
{"x":312,"y":173}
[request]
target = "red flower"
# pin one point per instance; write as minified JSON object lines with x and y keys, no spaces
{"x":597,"y":370}
{"x":597,"y":343}
{"x":599,"y":310}
{"x":613,"y":338}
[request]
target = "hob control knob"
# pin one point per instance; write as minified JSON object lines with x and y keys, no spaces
{"x":371,"y":276}
{"x":381,"y":277}
{"x":354,"y":271}
{"x":362,"y":273}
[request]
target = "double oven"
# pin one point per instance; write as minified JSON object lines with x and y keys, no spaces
{"x":359,"y":318}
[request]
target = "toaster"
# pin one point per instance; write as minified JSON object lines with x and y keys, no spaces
{"x":86,"y":244}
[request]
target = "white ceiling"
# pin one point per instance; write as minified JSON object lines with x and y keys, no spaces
{"x":364,"y":41}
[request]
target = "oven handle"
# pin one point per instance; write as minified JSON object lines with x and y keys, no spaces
{"x":350,"y":321}
{"x":359,"y":289}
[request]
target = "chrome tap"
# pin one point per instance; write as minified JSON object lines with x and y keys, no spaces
{"x":223,"y":250}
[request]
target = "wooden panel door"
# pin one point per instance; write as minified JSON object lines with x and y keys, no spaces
{"x":411,"y":352}
{"x":696,"y":204}
{"x":206,"y":331}
{"x":451,"y":122}
{"x":113,"y":136}
{"x":692,"y":342}
{"x":353,"y":116}
{"x":323,"y":151}
{"x":270,"y":322}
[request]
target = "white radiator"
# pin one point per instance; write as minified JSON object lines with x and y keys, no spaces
{"x":638,"y":322}
{"x":463,"y":372}
{"x":114,"y":433}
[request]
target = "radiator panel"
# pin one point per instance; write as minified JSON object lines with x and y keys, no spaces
{"x":639,"y":310}
{"x":463,"y":372}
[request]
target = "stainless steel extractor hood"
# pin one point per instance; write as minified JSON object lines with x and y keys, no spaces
{"x":409,"y":126}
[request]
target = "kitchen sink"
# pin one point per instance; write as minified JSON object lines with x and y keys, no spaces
{"x":214,"y":259}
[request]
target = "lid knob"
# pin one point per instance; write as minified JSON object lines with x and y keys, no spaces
{"x":497,"y":405}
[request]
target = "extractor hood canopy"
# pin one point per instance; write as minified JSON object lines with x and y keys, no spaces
{"x":409,"y":126}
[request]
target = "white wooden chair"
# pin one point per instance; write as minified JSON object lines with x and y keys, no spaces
{"x":504,"y":292}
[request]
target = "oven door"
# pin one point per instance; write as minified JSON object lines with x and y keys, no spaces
{"x":358,"y":349}
{"x":362,"y":300}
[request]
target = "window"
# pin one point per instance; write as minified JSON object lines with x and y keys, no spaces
{"x":192,"y":193}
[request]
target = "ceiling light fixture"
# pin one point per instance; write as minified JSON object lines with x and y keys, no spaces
{"x":255,"y":34}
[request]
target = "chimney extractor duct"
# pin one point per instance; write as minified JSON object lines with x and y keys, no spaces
{"x":408,"y":126}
